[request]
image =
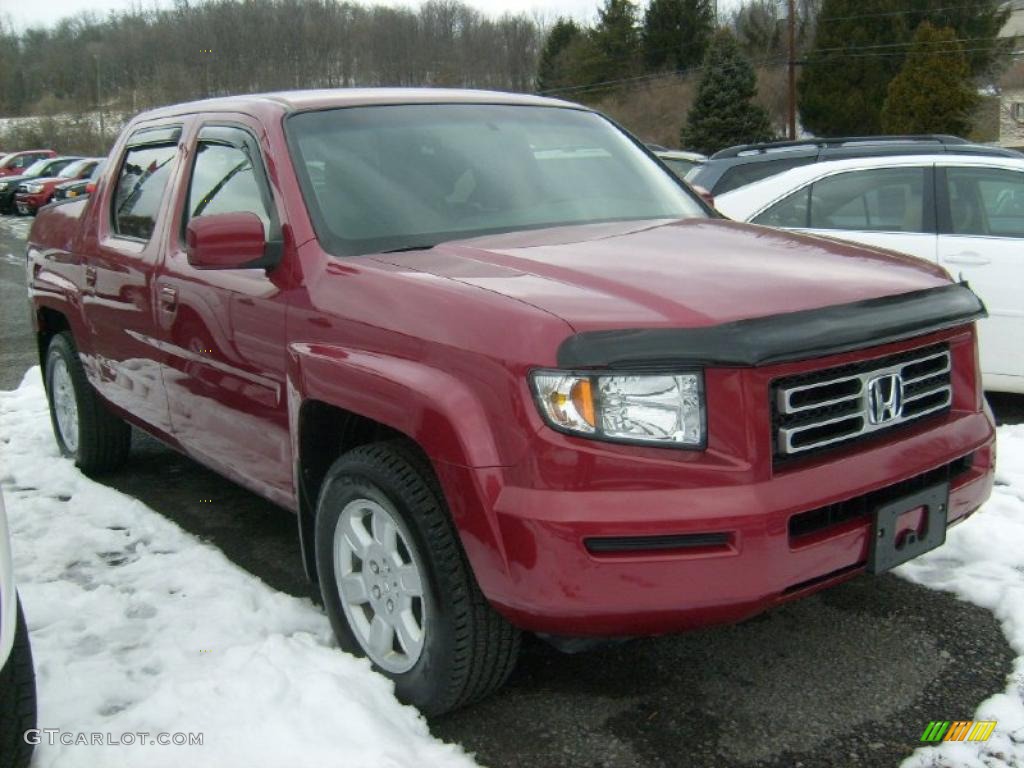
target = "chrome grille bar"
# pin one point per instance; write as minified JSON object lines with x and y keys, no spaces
{"x":838,"y":407}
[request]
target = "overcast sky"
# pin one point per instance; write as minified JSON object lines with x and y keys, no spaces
{"x":25,"y":13}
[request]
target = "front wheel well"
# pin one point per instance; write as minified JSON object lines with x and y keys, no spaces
{"x":325,"y":433}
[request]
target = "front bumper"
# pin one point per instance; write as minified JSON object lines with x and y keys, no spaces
{"x":527,"y":528}
{"x":27,"y":203}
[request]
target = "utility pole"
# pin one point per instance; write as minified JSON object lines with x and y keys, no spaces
{"x":792,"y":70}
{"x":99,"y":95}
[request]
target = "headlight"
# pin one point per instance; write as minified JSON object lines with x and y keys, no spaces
{"x":34,"y":189}
{"x":659,"y":409}
{"x":3,"y":186}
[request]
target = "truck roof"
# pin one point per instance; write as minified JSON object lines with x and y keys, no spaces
{"x":327,"y":98}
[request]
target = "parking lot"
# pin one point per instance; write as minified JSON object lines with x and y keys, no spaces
{"x":850,"y":676}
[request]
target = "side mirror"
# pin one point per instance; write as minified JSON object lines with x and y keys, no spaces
{"x":706,"y":196}
{"x":226,"y":241}
{"x":90,"y":187}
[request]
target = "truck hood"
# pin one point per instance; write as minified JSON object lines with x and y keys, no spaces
{"x":689,"y":273}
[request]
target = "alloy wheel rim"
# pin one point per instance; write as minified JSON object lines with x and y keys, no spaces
{"x":65,"y":407}
{"x":380,"y":584}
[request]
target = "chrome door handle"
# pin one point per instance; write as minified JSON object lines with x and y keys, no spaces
{"x":168,"y":298}
{"x":967,"y":257}
{"x":90,"y":276}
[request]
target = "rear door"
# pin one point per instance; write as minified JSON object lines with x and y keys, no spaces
{"x":118,"y":294}
{"x":981,"y":224}
{"x":885,"y":207}
{"x":224,"y":329}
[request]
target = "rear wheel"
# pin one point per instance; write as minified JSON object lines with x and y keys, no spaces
{"x":396,"y":584}
{"x":85,"y":429}
{"x":17,"y":700}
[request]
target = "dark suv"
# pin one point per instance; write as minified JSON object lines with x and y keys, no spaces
{"x":744,"y":164}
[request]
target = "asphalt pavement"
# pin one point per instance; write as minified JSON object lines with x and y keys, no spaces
{"x":849,"y":677}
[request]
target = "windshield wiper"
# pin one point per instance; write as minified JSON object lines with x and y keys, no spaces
{"x":405,"y":248}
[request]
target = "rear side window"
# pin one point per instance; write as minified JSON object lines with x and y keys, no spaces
{"x":140,"y":189}
{"x":986,"y":201}
{"x":747,"y":173}
{"x":877,"y":200}
{"x":223,"y":181}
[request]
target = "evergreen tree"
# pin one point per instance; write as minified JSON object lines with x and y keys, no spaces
{"x":554,"y":68}
{"x":615,"y":43}
{"x":676,"y":32}
{"x":932,"y":93}
{"x":724,"y":112}
{"x":844,"y":80}
{"x":976,"y":21}
{"x":860,"y":46}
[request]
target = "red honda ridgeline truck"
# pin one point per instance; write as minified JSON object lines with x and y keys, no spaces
{"x":507,"y":370}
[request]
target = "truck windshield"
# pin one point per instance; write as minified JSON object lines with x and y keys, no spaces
{"x":385,"y":178}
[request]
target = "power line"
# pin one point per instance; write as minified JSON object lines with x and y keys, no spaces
{"x":906,"y":44}
{"x":902,"y":12}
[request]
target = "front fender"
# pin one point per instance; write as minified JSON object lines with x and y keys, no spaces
{"x":438,"y":410}
{"x":433,"y":407}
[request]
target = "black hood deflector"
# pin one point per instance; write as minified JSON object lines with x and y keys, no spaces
{"x":780,"y":338}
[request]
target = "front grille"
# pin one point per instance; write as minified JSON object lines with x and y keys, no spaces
{"x":823,"y":518}
{"x":828,"y":408}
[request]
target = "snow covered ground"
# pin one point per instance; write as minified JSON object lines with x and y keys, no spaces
{"x":17,"y":227}
{"x":982,"y":562}
{"x":137,"y":626}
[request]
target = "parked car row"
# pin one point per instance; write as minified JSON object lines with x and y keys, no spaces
{"x":25,"y":186}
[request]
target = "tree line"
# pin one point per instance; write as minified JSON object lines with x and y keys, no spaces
{"x":139,"y":58}
{"x":866,"y":66}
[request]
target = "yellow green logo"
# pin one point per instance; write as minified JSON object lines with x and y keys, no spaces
{"x":958,"y":730}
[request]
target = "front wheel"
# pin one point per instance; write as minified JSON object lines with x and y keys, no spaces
{"x":396,"y":584}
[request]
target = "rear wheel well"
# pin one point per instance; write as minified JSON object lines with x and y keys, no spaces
{"x":325,"y":433}
{"x":49,"y":322}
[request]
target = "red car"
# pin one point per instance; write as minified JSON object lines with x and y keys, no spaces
{"x":35,"y":193}
{"x":509,"y":372}
{"x":15,"y":163}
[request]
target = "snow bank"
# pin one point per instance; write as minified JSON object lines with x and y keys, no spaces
{"x":137,"y":626}
{"x":982,"y":562}
{"x":17,"y":227}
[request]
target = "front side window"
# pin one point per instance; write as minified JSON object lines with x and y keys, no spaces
{"x":74,"y":169}
{"x":986,"y":201}
{"x":411,"y":176}
{"x":878,"y":200}
{"x":790,"y":212}
{"x":223,"y":181}
{"x":140,"y":189}
{"x":37,"y":168}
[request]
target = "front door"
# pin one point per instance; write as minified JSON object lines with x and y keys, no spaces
{"x":224,"y":329}
{"x":981,"y":240}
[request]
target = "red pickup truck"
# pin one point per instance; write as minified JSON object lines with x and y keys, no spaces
{"x":507,"y":370}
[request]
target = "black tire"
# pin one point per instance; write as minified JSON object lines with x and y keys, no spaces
{"x":103,"y":439}
{"x":17,"y":700}
{"x":468,"y":649}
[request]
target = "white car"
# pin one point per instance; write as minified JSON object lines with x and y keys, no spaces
{"x":680,"y":162}
{"x":17,"y":676}
{"x":963,"y":212}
